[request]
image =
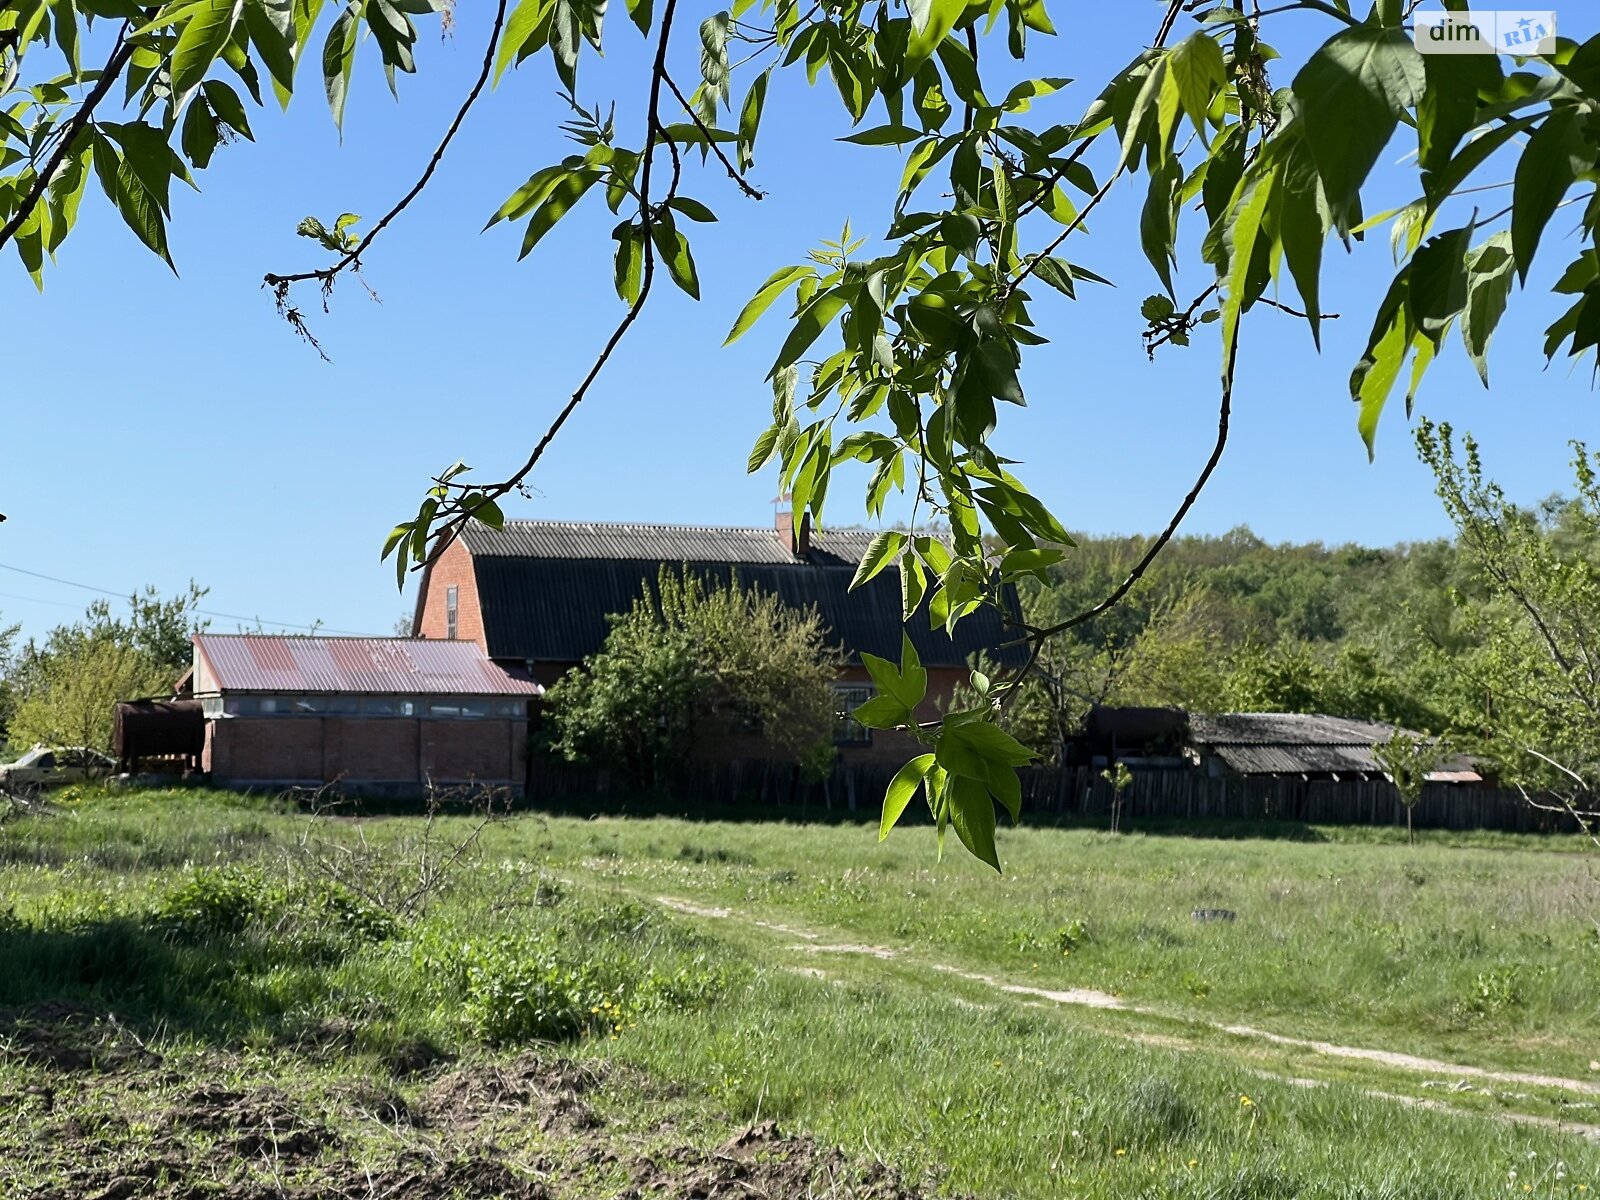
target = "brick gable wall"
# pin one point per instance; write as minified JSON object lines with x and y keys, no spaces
{"x":452,"y":569}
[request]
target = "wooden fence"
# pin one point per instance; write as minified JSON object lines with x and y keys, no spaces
{"x":759,"y":788}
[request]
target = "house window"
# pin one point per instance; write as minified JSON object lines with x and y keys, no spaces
{"x":450,"y":609}
{"x":847,"y":697}
{"x":389,"y":706}
{"x":458,"y":707}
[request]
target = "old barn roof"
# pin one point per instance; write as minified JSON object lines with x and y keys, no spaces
{"x":659,"y":543}
{"x":546,"y":587}
{"x":1303,"y":744}
{"x":368,"y":666}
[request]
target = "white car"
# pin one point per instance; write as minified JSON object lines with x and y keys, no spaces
{"x":46,"y":766}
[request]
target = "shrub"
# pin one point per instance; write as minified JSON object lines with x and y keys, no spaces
{"x":520,"y":994}
{"x":218,"y":901}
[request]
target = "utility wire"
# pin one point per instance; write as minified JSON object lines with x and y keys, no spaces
{"x":205,"y":612}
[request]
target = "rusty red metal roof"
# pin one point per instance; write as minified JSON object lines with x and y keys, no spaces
{"x":252,"y":662}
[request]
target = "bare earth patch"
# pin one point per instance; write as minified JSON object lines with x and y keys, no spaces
{"x":220,"y":1125}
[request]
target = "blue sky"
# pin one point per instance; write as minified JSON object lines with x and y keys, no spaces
{"x":160,"y":429}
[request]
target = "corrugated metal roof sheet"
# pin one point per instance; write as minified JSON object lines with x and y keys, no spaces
{"x":555,"y":610}
{"x":1299,"y":760}
{"x":581,"y":540}
{"x":1288,"y":729}
{"x":366,"y":666}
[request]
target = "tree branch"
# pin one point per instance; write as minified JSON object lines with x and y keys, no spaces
{"x":121,"y":52}
{"x":280,"y":283}
{"x":745,"y":186}
{"x":655,"y":136}
{"x":1224,"y":413}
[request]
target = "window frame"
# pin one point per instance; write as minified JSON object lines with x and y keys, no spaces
{"x":849,"y":696}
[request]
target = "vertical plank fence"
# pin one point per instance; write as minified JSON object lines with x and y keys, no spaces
{"x":754,"y":789}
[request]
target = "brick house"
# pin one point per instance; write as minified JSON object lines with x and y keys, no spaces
{"x":378,"y":716}
{"x":536,"y":596}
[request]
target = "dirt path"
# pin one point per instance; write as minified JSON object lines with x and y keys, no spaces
{"x":812,"y":942}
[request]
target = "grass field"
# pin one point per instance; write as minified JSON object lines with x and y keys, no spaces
{"x":205,"y":995}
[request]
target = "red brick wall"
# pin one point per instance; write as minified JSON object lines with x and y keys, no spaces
{"x":453,"y":569}
{"x":463,"y":751}
{"x":376,"y":750}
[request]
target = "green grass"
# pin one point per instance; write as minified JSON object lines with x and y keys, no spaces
{"x":205,"y":924}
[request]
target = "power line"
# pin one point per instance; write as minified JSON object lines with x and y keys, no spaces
{"x":205,"y":612}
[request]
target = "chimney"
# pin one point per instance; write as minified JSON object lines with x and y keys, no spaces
{"x":798,"y":545}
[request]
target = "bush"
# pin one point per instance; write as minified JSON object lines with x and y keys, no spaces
{"x":693,"y":660}
{"x":521,"y":994}
{"x":318,"y":920}
{"x":217,"y":902}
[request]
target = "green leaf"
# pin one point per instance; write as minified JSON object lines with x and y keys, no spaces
{"x":931,"y":20}
{"x":566,"y":37}
{"x":714,"y":62}
{"x":338,"y":62}
{"x":1196,"y":68}
{"x":884,"y":135}
{"x":125,"y":190}
{"x":640,"y":11}
{"x":227,"y":106}
{"x":270,"y":24}
{"x":200,"y":135}
{"x":629,"y":262}
{"x":1302,"y":233}
{"x":207,"y":31}
{"x":1547,"y":169}
{"x":905,"y":687}
{"x":780,"y":281}
{"x":1021,"y":97}
{"x":808,"y":326}
{"x":1436,"y":284}
{"x":881,"y":712}
{"x":1489,"y":271}
{"x":750,"y":118}
{"x":901,"y":788}
{"x":761,"y":452}
{"x":971,"y":748}
{"x":972,"y":815}
{"x":485,"y":511}
{"x":1240,"y":238}
{"x":568,"y":190}
{"x":1350,"y":96}
{"x":525,"y":198}
{"x":881,"y":551}
{"x":692,"y":209}
{"x":674,"y":250}
{"x":525,"y":21}
{"x":1374,"y":376}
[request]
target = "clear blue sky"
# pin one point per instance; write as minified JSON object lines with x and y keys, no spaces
{"x":160,"y":429}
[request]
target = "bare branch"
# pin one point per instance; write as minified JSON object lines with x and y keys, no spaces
{"x":280,"y":283}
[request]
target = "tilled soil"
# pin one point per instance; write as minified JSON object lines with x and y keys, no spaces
{"x":92,"y":1113}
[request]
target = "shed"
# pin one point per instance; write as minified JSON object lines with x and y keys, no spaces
{"x":1303,"y":745}
{"x":385,"y":716}
{"x":169,"y":732}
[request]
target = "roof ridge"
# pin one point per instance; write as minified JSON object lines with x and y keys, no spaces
{"x":769,"y":530}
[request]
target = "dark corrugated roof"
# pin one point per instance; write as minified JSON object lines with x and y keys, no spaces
{"x":1299,"y":760}
{"x":548,"y":609}
{"x":574,"y":540}
{"x":366,"y":666}
{"x":1288,"y":729}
